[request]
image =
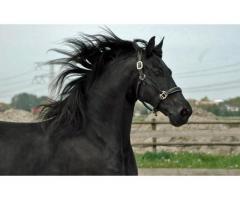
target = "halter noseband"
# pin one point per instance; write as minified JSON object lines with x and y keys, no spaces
{"x":143,"y":79}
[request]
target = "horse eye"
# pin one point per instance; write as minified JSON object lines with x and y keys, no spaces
{"x":158,"y":72}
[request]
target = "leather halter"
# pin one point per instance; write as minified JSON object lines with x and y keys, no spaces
{"x":143,"y":79}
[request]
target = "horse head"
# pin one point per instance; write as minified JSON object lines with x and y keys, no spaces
{"x":156,"y":86}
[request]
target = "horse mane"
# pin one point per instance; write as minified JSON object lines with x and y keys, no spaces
{"x":85,"y":61}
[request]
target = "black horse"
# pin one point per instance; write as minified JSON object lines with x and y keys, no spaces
{"x":86,"y":131}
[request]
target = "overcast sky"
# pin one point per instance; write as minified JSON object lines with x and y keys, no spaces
{"x":205,"y":59}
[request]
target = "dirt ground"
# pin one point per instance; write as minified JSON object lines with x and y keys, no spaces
{"x":202,"y":133}
{"x":166,"y":132}
{"x":188,"y":172}
{"x":14,"y":115}
{"x":196,"y":136}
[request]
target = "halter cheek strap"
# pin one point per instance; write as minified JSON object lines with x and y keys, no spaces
{"x":143,"y":79}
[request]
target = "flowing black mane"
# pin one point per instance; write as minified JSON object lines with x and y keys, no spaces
{"x":86,"y":130}
{"x":85,"y":61}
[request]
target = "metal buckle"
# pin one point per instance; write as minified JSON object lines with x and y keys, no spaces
{"x":142,"y":77}
{"x":139,"y":65}
{"x":163,"y":95}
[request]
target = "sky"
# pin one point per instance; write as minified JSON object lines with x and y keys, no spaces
{"x":205,"y":59}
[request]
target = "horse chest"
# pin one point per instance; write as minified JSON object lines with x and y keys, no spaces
{"x":84,"y":158}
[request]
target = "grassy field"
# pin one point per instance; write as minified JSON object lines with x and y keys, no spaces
{"x":187,"y":160}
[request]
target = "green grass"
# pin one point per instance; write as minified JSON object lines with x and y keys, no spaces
{"x":187,"y":160}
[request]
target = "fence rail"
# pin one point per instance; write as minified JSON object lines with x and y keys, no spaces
{"x":154,"y":142}
{"x":192,"y":122}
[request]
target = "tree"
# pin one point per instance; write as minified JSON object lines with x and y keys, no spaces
{"x":25,"y":101}
{"x":205,"y":98}
{"x":4,"y":106}
{"x":229,"y":107}
{"x":43,"y":100}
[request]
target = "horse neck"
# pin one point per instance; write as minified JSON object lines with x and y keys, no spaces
{"x":109,"y":110}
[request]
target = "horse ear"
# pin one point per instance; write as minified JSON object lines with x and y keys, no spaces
{"x":150,"y":46}
{"x":159,"y":46}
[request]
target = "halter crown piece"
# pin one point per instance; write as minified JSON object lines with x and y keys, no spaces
{"x":143,"y":79}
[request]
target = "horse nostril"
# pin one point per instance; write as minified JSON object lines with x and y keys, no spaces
{"x":185,"y":112}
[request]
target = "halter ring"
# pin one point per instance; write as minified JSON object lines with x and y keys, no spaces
{"x":142,"y":77}
{"x":139,"y":65}
{"x":163,"y":95}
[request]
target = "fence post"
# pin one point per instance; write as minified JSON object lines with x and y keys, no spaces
{"x":154,"y":127}
{"x":154,"y":144}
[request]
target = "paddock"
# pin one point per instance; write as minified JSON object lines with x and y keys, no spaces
{"x":223,"y":137}
{"x":213,"y":137}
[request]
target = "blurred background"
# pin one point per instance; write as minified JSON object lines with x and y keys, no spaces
{"x":205,"y":60}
